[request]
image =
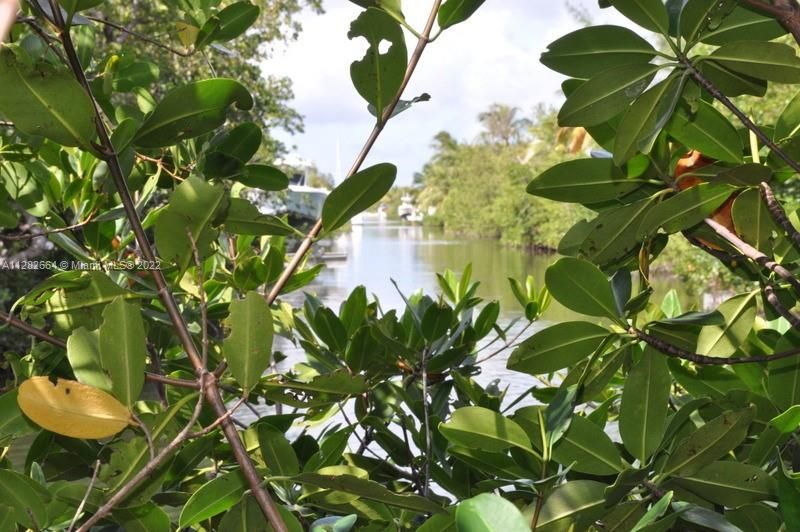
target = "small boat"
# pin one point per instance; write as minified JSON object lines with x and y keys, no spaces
{"x":407,"y":211}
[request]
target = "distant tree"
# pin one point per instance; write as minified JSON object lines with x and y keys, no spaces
{"x":503,"y":125}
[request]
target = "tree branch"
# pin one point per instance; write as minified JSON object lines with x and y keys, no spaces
{"x":778,"y":214}
{"x":140,"y":36}
{"x":676,"y":352}
{"x":786,"y":12}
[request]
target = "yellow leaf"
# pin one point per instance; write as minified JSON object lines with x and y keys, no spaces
{"x":187,"y":33}
{"x":72,"y":409}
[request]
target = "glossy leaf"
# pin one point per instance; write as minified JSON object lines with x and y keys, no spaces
{"x":559,"y":346}
{"x":762,"y":60}
{"x":453,"y":12}
{"x":43,"y":100}
{"x":606,"y":95}
{"x":488,"y":512}
{"x":612,"y":236}
{"x":187,"y":220}
{"x":645,"y":118}
{"x":580,"y":286}
{"x":72,"y":409}
{"x":709,"y":442}
{"x":730,"y":483}
{"x":213,"y":498}
{"x":583,"y":181}
{"x":752,"y":220}
{"x":788,"y":123}
{"x":649,"y":14}
{"x":26,"y":497}
{"x":276,"y":451}
{"x":12,"y":422}
{"x":476,"y":427}
{"x":263,"y":177}
{"x":248,"y":348}
{"x":589,"y":51}
{"x":573,"y":500}
{"x":707,"y":131}
{"x":356,"y":194}
{"x":436,"y":321}
{"x":243,"y":218}
{"x":191,"y":110}
{"x":685,"y":209}
{"x":724,"y":340}
{"x":643,"y":409}
{"x":123,"y":349}
{"x":730,"y":82}
{"x":246,"y":516}
{"x":742,"y":22}
{"x":378,"y":75}
{"x":229,"y":23}
{"x":783,"y":376}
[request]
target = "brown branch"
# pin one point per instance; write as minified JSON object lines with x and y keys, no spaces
{"x":46,"y":232}
{"x":772,"y":299}
{"x":209,"y":382}
{"x":308,"y":241}
{"x":676,"y":352}
{"x":778,"y":214}
{"x":753,"y":254}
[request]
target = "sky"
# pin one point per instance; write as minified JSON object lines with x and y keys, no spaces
{"x":491,"y":58}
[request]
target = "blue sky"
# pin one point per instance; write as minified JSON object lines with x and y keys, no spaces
{"x":492,"y":57}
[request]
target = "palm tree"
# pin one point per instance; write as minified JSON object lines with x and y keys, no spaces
{"x":503,"y":125}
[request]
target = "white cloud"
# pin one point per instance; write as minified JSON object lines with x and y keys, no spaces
{"x":493,"y":57}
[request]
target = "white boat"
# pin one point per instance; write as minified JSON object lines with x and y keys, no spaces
{"x":407,"y":211}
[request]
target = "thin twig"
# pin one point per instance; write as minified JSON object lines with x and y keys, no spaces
{"x":85,"y":498}
{"x":507,"y":345}
{"x":147,"y":436}
{"x":219,"y":421}
{"x":426,"y":476}
{"x":46,"y":232}
{"x":140,"y":36}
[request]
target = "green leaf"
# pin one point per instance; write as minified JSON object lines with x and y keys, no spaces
{"x":488,"y":512}
{"x":145,"y":518}
{"x":580,"y":286}
{"x":707,"y":131}
{"x":730,"y":483}
{"x":710,"y":442}
{"x":367,"y":489}
{"x":743,"y":22}
{"x":724,"y":340}
{"x":643,"y":120}
{"x":191,"y":110}
{"x":649,"y":14}
{"x":583,"y":445}
{"x":783,"y":376}
{"x":356,"y":194}
{"x":788,"y":123}
{"x":123,"y":349}
{"x":248,"y":348}
{"x":652,"y":515}
{"x":12,"y":421}
{"x":612,"y":236}
{"x":606,"y":95}
{"x":643,"y":409}
{"x":685,"y":209}
{"x":771,"y":61}
{"x":475,"y":427}
{"x":83,"y":353}
{"x":263,"y":177}
{"x":732,"y":83}
{"x":213,"y":497}
{"x":192,"y":207}
{"x":41,"y":99}
{"x":243,"y":218}
{"x":454,"y":12}
{"x":753,"y":221}
{"x":786,"y":422}
{"x":353,"y":310}
{"x":436,"y":321}
{"x":589,"y":51}
{"x":754,"y":517}
{"x":330,"y":329}
{"x":276,"y":451}
{"x":583,"y":181}
{"x":573,"y":500}
{"x":246,"y":516}
{"x":26,"y":497}
{"x":556,"y":347}
{"x":696,"y":17}
{"x":377,"y":76}
{"x":228,"y":24}
{"x":487,"y":319}
{"x":8,"y":522}
{"x":73,"y":6}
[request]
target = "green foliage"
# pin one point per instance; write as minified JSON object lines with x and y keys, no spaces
{"x":405,"y":433}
